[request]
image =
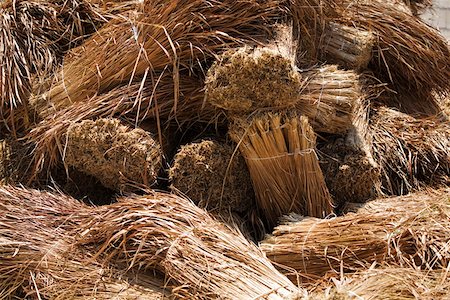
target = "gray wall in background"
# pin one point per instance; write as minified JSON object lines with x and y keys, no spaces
{"x":439,"y":16}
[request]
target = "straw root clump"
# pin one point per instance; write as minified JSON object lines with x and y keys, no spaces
{"x":119,"y":157}
{"x":411,"y":152}
{"x":349,"y":173}
{"x":349,"y":47}
{"x":243,"y":80}
{"x":280,"y":153}
{"x":211,"y":175}
{"x":405,"y":231}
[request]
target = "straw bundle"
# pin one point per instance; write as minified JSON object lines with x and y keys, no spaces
{"x":280,"y":153}
{"x":417,"y":233}
{"x":346,"y":46}
{"x":170,"y":233}
{"x":211,"y":175}
{"x":245,"y":80}
{"x":410,"y":151}
{"x":15,"y":161}
{"x":178,"y":34}
{"x":350,"y":174}
{"x":120,"y":158}
{"x":34,"y":36}
{"x":411,"y":55}
{"x":38,"y":254}
{"x":389,"y":282}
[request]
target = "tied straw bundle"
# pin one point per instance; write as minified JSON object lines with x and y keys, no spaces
{"x":178,"y":34}
{"x":280,"y":153}
{"x":38,"y":256}
{"x":405,"y":230}
{"x":159,"y":231}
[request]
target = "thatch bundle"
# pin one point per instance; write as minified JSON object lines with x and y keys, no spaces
{"x":15,"y":161}
{"x":404,"y":231}
{"x":34,"y":35}
{"x":280,"y":153}
{"x":389,"y":282}
{"x":119,"y":157}
{"x":177,"y":35}
{"x":411,"y":55}
{"x":213,"y":175}
{"x":245,"y":80}
{"x":39,"y":257}
{"x":347,"y":46}
{"x":171,"y":234}
{"x":410,"y":151}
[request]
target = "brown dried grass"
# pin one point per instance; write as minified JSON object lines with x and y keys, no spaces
{"x":349,"y":47}
{"x":121,"y":158}
{"x":178,"y":34}
{"x":412,"y":231}
{"x":34,"y":36}
{"x":388,"y":282}
{"x":244,"y":80}
{"x":279,"y":149}
{"x":409,"y":54}
{"x":411,"y":152}
{"x":213,"y":175}
{"x":38,"y":253}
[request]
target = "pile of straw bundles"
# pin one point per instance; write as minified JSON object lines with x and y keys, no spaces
{"x":409,"y":231}
{"x":157,"y":231}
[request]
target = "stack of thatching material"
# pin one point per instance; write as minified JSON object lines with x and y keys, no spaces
{"x":157,"y":231}
{"x":405,"y":230}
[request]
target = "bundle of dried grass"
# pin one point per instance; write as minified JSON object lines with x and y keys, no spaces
{"x":410,"y":151}
{"x":121,"y":158}
{"x":245,"y":80}
{"x":34,"y":36}
{"x":280,"y":153}
{"x":410,"y":232}
{"x":347,"y":46}
{"x":388,"y":282}
{"x":149,"y":99}
{"x":15,"y":161}
{"x":213,"y":176}
{"x":350,"y":174}
{"x":38,"y":255}
{"x":411,"y":55}
{"x":178,"y":34}
{"x":166,"y":232}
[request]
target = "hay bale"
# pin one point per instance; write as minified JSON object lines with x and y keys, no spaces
{"x":245,"y":80}
{"x":347,"y":46}
{"x":412,"y":231}
{"x":280,"y":153}
{"x":119,"y":157}
{"x":210,"y":174}
{"x":411,"y":152}
{"x":388,"y":282}
{"x":159,"y":37}
{"x":38,"y":253}
{"x":409,"y":54}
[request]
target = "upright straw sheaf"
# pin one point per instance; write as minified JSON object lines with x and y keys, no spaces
{"x":408,"y":52}
{"x":171,"y":234}
{"x":38,"y":254}
{"x":415,"y":234}
{"x":121,"y":158}
{"x":34,"y":36}
{"x":388,"y":282}
{"x":410,"y":151}
{"x":177,"y":33}
{"x":280,"y":153}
